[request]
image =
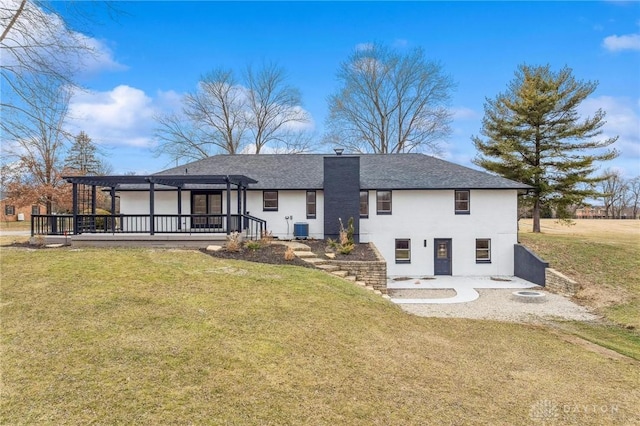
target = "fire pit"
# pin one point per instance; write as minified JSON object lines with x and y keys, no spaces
{"x":529,"y":296}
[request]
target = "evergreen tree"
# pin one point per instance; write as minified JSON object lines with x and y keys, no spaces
{"x":82,"y":156}
{"x":534,"y":135}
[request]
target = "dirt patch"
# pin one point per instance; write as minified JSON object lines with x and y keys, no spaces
{"x":602,"y":296}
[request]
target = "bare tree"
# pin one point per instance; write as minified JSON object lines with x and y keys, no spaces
{"x":35,"y":40}
{"x":634,"y":195}
{"x":231,"y":116}
{"x":389,"y":102}
{"x":613,"y":190}
{"x":273,"y":106}
{"x":37,"y":138}
{"x":213,"y":118}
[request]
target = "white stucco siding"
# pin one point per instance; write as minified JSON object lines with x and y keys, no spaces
{"x":422,"y":215}
{"x":418,"y":215}
{"x":165,"y":202}
{"x":292,"y":204}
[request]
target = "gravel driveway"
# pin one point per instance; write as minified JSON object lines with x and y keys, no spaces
{"x":498,"y":304}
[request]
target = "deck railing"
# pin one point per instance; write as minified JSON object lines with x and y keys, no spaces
{"x":251,"y":227}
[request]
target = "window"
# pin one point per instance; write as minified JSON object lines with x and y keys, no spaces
{"x":364,"y":203}
{"x":383,"y":199}
{"x":311,"y":204}
{"x":35,"y":209}
{"x":270,"y":200}
{"x":462,"y":202}
{"x":483,"y":250}
{"x":403,"y":251}
{"x":9,"y":210}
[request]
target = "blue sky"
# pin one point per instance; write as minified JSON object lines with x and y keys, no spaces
{"x":156,"y":51}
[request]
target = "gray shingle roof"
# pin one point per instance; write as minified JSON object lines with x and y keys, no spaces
{"x":377,"y":171}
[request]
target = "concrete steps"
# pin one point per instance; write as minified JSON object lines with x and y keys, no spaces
{"x":304,"y":252}
{"x":328,"y":268}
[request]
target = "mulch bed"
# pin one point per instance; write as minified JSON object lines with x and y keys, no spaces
{"x":360,"y":252}
{"x":274,"y":254}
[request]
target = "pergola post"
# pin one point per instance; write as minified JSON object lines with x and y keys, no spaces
{"x":112,"y":192}
{"x":152,"y":219}
{"x":93,"y":208}
{"x":179,"y":208}
{"x":239,"y":208}
{"x":74,"y":195}
{"x":228,"y":206}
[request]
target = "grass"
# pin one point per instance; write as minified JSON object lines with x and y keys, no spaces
{"x":603,"y":256}
{"x":130,"y":336}
{"x":15,"y":226}
{"x":621,"y":340}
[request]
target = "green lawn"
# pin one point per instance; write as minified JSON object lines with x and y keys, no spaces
{"x":166,"y":336}
{"x":603,"y":257}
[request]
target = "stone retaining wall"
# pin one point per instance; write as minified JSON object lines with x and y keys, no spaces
{"x":374,"y":273}
{"x":559,"y":283}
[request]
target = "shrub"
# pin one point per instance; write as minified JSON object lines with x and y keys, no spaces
{"x":346,"y":248}
{"x":289,"y":255}
{"x":345,"y":243}
{"x":266,"y":238}
{"x":253,"y":245}
{"x":233,"y":243}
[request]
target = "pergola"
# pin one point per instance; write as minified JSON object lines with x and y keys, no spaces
{"x":240,"y":182}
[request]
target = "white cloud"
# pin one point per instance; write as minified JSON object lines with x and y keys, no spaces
{"x":362,"y":47}
{"x":400,"y":43}
{"x":615,"y":43}
{"x":622,"y":120}
{"x":464,"y":113}
{"x":42,"y":36}
{"x":122,"y":116}
{"x":101,"y":58}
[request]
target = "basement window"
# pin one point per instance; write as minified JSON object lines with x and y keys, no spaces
{"x":483,"y":250}
{"x":403,"y":251}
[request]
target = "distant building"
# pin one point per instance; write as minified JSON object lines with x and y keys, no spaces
{"x":10,"y":212}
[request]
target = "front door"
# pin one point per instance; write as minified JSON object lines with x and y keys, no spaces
{"x":206,"y":203}
{"x":442,"y":256}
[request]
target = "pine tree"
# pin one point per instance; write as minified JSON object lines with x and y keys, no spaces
{"x":82,"y":156}
{"x":534,"y":135}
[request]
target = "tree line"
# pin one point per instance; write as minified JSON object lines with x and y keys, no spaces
{"x":386,"y":101}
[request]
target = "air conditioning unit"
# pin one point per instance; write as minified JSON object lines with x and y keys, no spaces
{"x":301,"y":230}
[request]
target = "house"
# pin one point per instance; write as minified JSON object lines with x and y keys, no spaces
{"x":426,"y":216}
{"x":10,"y":212}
